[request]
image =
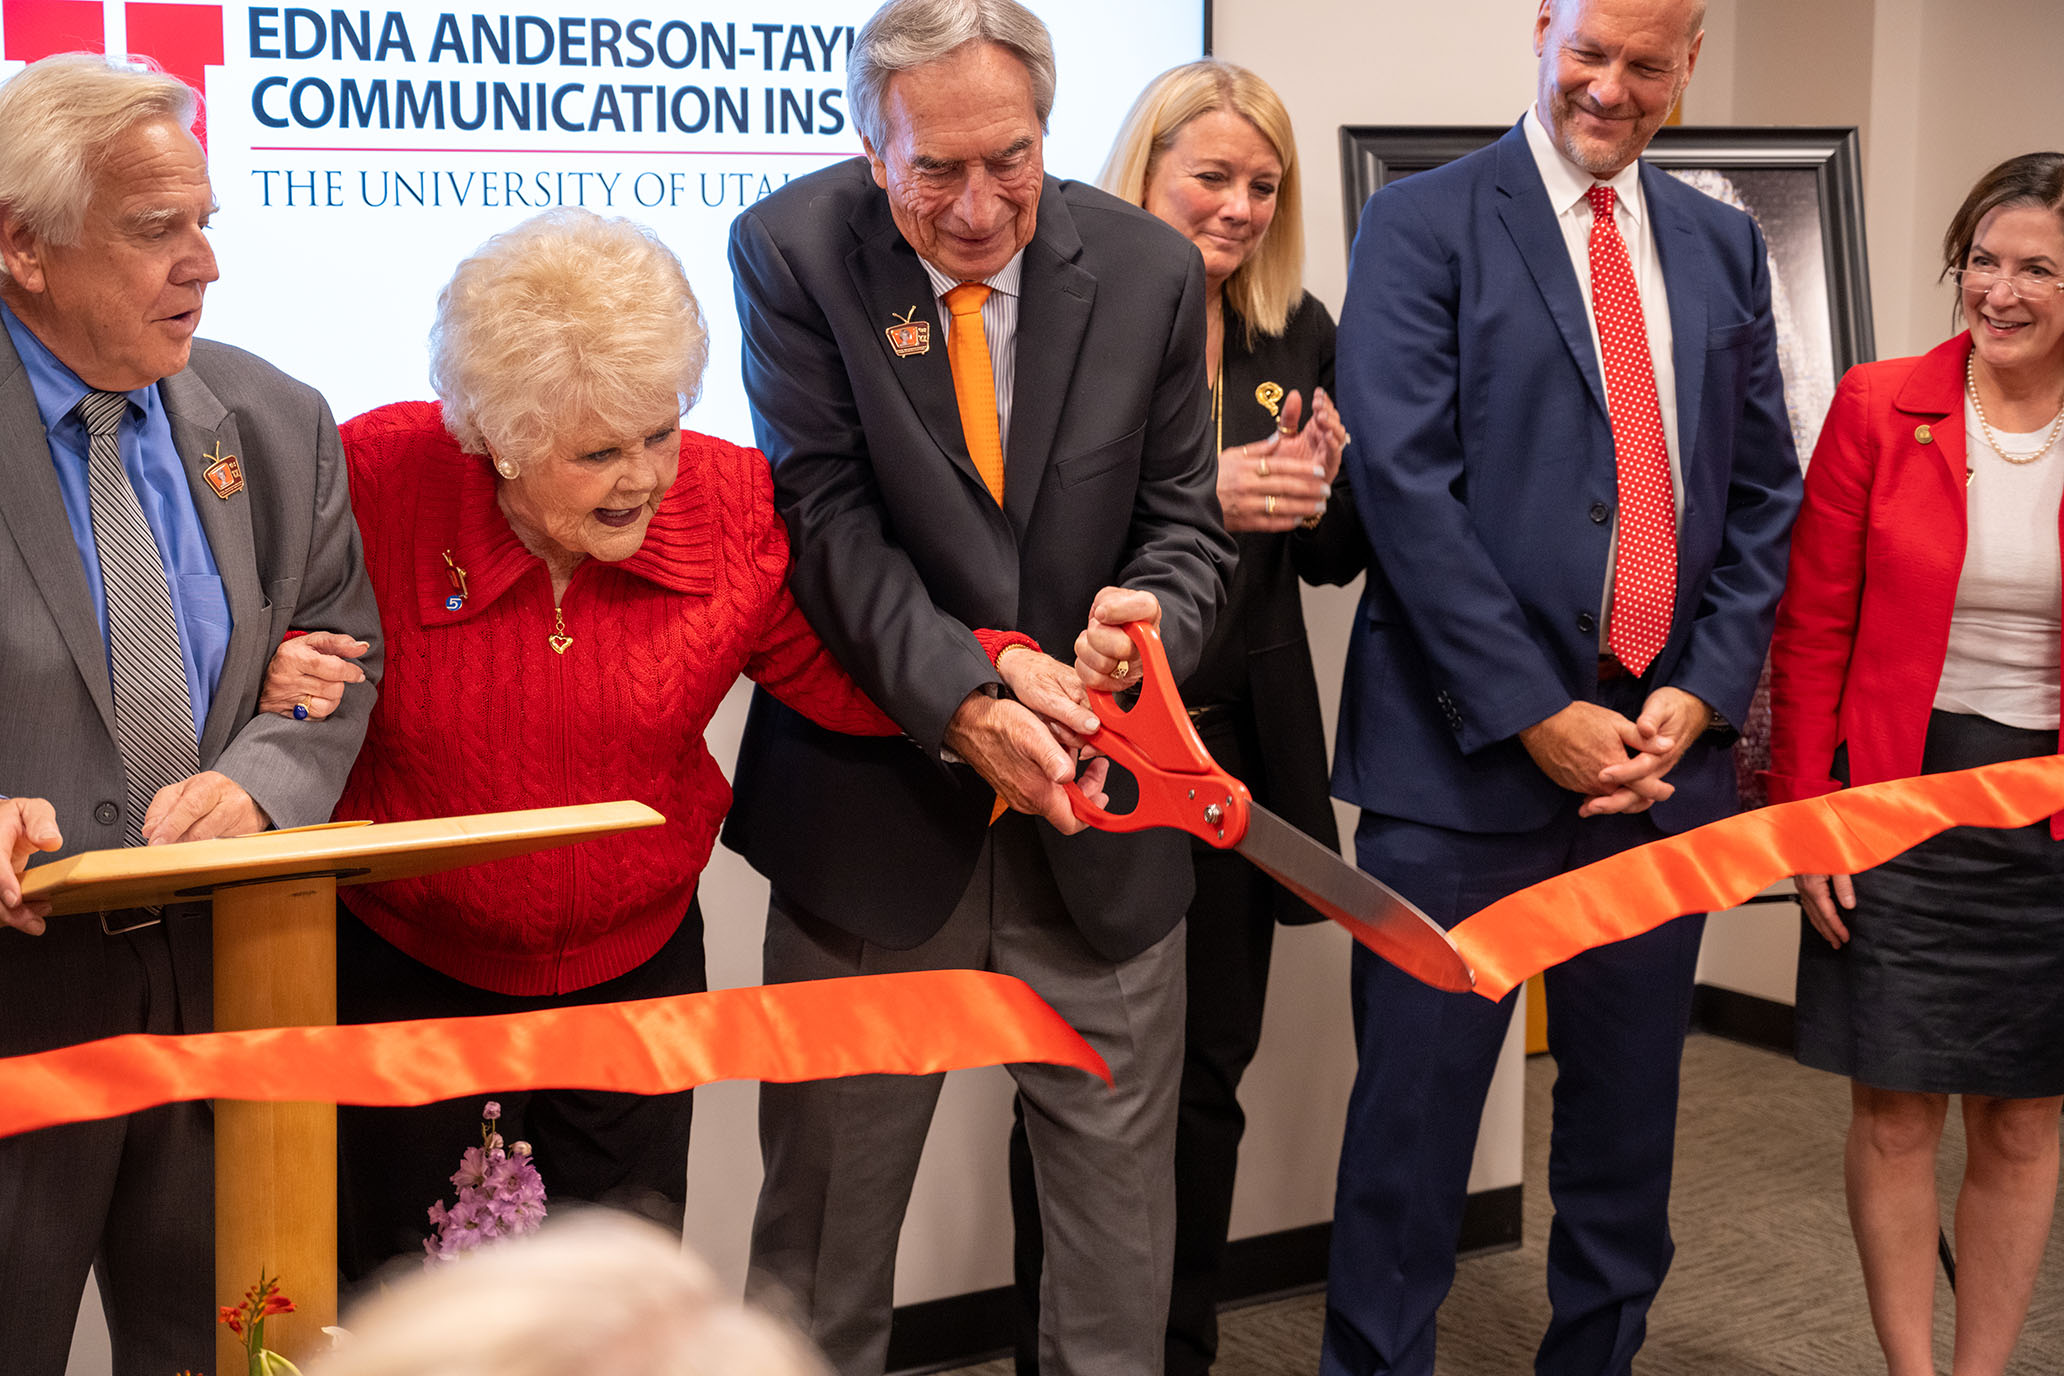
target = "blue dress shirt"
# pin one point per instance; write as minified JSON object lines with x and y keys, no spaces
{"x":200,"y":607}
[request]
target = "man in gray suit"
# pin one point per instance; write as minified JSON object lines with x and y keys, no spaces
{"x":171,"y":507}
{"x":860,"y":287}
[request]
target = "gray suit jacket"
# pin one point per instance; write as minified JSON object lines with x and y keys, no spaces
{"x":899,"y":550}
{"x":288,"y":552}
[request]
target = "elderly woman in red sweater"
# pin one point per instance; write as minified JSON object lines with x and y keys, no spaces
{"x":571,"y":582}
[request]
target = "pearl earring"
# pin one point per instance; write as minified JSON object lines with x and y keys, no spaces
{"x":505,"y":468}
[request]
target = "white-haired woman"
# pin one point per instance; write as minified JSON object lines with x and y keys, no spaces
{"x":1208,"y":148}
{"x":598,"y":1293}
{"x":573,"y":582}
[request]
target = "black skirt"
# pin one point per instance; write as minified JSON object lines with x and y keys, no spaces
{"x":1953,"y":978}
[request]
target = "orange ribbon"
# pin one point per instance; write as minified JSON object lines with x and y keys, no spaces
{"x":1721,"y":865}
{"x":907,"y":1024}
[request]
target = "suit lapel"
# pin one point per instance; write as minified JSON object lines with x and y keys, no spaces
{"x":202,"y":431}
{"x":1054,"y":300}
{"x":34,"y":513}
{"x":1530,"y":220}
{"x":891,"y":282}
{"x":1933,"y":395}
{"x":1684,"y":281}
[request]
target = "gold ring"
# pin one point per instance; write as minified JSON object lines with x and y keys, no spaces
{"x":1124,"y":668}
{"x":1268,"y":505}
{"x":1263,"y":469}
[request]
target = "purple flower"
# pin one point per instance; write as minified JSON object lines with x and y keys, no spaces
{"x":499,"y":1195}
{"x":491,"y":1110}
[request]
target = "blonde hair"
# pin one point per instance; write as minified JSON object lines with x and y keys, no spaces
{"x":599,"y":1292}
{"x":58,"y":119}
{"x":568,"y":318}
{"x":1268,"y":286}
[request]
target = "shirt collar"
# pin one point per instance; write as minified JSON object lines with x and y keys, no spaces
{"x":1568,"y":184}
{"x":57,"y":388}
{"x":1005,"y":279}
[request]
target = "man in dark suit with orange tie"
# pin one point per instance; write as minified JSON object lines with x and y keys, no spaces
{"x":1576,"y":471}
{"x":981,"y":390}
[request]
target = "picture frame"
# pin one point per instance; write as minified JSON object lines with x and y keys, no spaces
{"x":1783,"y":174}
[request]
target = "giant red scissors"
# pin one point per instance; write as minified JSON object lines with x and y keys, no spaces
{"x":1181,"y":786}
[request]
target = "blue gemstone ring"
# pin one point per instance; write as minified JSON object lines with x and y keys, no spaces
{"x":301,"y":710}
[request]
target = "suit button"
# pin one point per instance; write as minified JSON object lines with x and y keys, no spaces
{"x":1599,"y":511}
{"x":1586,"y":622}
{"x":107,"y":814}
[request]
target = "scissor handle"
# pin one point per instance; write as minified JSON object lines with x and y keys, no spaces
{"x":1180,"y":785}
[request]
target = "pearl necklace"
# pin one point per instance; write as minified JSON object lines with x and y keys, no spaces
{"x":1971,"y":385}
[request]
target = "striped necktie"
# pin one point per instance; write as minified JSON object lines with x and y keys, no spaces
{"x":154,"y":725}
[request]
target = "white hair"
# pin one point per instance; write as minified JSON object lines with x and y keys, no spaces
{"x":598,"y":1292}
{"x":58,"y":119}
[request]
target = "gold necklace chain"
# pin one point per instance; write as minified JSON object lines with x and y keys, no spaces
{"x":1971,"y":386}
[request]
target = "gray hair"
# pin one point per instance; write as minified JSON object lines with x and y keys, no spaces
{"x":911,"y":33}
{"x":567,"y":317}
{"x":58,"y":118}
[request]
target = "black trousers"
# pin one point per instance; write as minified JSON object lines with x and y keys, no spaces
{"x":626,"y":1150}
{"x":1231,"y":937}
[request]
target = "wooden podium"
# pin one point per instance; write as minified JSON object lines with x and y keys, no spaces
{"x":275,"y":897}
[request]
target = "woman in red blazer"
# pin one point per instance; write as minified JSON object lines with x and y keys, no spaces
{"x":1919,"y":633}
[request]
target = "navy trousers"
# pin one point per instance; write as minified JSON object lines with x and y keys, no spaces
{"x":1616,"y":1023}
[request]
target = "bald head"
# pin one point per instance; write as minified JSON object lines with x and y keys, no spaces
{"x":1611,"y":72}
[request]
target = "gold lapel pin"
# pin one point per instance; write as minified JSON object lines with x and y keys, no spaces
{"x":1270,"y":395}
{"x":458,"y":581}
{"x":908,"y":336}
{"x":224,"y":474}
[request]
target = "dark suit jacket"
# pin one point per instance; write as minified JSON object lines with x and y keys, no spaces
{"x":899,"y":549}
{"x":1483,"y":467}
{"x":1864,"y":625}
{"x":1258,"y":660}
{"x":288,"y":552}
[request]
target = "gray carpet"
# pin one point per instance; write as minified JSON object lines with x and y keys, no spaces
{"x":1765,"y":1282}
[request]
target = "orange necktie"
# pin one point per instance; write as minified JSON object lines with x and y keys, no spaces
{"x":974,"y":383}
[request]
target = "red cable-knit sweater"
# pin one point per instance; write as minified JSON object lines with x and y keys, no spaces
{"x":477,"y":713}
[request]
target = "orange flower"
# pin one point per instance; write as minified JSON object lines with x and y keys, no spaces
{"x":233,"y":1316}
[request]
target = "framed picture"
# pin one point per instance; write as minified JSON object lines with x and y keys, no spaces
{"x":1803,"y":187}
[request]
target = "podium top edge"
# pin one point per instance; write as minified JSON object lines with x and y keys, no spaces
{"x":335,"y":847}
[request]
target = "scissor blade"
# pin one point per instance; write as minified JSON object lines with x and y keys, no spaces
{"x":1380,"y":919}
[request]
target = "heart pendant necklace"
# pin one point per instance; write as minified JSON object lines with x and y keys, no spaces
{"x":559,"y":639}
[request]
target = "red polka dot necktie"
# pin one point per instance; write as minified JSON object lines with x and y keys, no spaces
{"x":1645,"y":566}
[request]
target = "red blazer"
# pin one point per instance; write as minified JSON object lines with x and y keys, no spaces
{"x":1864,"y":624}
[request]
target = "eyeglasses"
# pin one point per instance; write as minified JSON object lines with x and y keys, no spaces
{"x":1982,"y":280}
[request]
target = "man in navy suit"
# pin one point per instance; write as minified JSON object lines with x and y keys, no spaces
{"x":1578,"y":479}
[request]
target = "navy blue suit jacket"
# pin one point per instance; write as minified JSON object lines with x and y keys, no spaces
{"x":1483,"y":468}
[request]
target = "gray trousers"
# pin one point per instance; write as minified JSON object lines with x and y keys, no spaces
{"x":841,"y":1155}
{"x":130,"y":1197}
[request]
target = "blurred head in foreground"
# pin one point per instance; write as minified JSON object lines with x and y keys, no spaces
{"x":600,"y":1292}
